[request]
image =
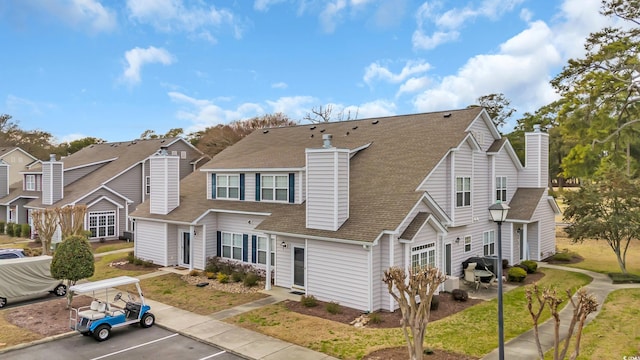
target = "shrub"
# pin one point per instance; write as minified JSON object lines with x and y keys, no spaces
{"x":237,"y":276}
{"x":435,"y":302}
{"x":460,"y":295}
{"x":130,"y":257}
{"x":250,"y":280}
{"x":562,"y":256}
{"x":33,"y":251}
{"x":2,"y":227}
{"x":210,"y":275}
{"x":308,"y":301}
{"x":531,"y":266}
{"x":194,"y":272}
{"x":223,"y":278}
{"x":375,"y":318}
{"x":516,"y":274}
{"x":25,"y":230}
{"x":333,"y":308}
{"x":10,"y":231}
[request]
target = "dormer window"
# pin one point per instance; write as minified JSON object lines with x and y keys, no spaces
{"x":228,"y":187}
{"x":463,"y":191}
{"x":30,"y":182}
{"x":275,"y":188}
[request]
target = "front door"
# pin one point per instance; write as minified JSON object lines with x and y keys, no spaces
{"x":447,"y":258}
{"x":185,"y":249}
{"x":521,"y":245}
{"x":298,"y":267}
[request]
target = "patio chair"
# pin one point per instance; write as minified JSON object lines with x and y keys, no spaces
{"x":469,"y":275}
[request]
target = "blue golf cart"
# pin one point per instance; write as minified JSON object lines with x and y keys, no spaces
{"x":99,"y":318}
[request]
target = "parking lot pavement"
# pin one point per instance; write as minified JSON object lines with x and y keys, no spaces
{"x":127,"y":343}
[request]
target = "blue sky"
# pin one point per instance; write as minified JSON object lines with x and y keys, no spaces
{"x":113,"y":69}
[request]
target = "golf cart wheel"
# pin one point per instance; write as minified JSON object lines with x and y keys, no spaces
{"x":3,"y":302}
{"x":102,"y":332}
{"x":60,"y":290}
{"x":147,"y":320}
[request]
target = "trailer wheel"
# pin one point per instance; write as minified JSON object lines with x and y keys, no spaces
{"x":3,"y":302}
{"x":60,"y":290}
{"x":102,"y":332}
{"x":147,"y":320}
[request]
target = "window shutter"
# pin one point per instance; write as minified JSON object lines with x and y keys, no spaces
{"x":257,"y":186}
{"x":219,"y":244}
{"x":241,"y":186}
{"x":292,"y":188}
{"x":245,"y":247}
{"x":213,"y":186}
{"x":254,"y":249}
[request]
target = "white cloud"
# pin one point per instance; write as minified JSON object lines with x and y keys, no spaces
{"x":294,"y":106}
{"x":330,"y":16}
{"x":376,"y":71}
{"x":413,"y":85}
{"x":279,"y":85}
{"x":376,"y":108}
{"x":85,"y":14}
{"x":449,"y":23}
{"x":69,"y":138}
{"x":263,"y":5}
{"x":174,"y":15}
{"x":138,"y":57}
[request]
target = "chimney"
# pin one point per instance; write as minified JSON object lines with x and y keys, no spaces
{"x":52,"y":181}
{"x":4,"y":178}
{"x":164,"y":181}
{"x":536,"y":167}
{"x":327,"y":186}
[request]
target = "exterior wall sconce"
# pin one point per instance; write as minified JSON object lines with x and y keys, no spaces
{"x":283,"y":244}
{"x":458,"y":240}
{"x":195,"y":232}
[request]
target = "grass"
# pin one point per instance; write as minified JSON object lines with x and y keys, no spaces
{"x":614,"y":333}
{"x":11,"y":335}
{"x":170,"y":289}
{"x":452,"y":333}
{"x":104,"y":271}
{"x":112,"y":247}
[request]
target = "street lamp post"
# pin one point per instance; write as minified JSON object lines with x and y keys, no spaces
{"x":498,"y":213}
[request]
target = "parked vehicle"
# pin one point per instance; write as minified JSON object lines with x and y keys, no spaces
{"x":11,"y":254}
{"x":99,"y":318}
{"x":27,"y":278}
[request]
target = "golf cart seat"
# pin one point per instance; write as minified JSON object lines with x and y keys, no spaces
{"x":96,"y":311}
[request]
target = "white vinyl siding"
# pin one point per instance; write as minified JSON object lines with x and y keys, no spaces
{"x":463,"y":191}
{"x":102,"y":224}
{"x":489,"y":243}
{"x":327,"y":188}
{"x":128,"y":184}
{"x":150,"y":242}
{"x":274,"y":188}
{"x":228,"y":187}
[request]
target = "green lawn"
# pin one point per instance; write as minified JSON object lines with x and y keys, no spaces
{"x":112,"y":247}
{"x":471,"y":332}
{"x":104,"y":271}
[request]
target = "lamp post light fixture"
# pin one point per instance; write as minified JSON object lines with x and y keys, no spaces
{"x":498,"y":213}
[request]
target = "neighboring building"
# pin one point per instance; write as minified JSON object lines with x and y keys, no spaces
{"x":18,"y":161}
{"x":111,"y":179}
{"x":326,"y":208}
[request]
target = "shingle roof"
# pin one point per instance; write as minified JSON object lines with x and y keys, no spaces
{"x":414,"y":226}
{"x":524,"y":203}
{"x":383,"y":177}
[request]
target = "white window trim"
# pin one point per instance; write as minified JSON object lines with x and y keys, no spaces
{"x":97,"y":215}
{"x":227,"y":187}
{"x":30,"y":182}
{"x":274,"y":188}
{"x":264,"y":250}
{"x":467,"y":241}
{"x":429,"y":249}
{"x":147,"y":185}
{"x":501,"y":187}
{"x":231,"y":246}
{"x":466,"y":193}
{"x":488,"y":239}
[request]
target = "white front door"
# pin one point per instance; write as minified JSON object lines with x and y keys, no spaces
{"x":185,"y":249}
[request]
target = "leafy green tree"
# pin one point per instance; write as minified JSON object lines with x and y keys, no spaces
{"x":498,"y":107}
{"x":601,"y":95}
{"x":79,"y":144}
{"x":608,"y":210}
{"x":72,"y":261}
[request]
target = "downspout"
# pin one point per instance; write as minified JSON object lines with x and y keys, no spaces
{"x":267,"y":280}
{"x":392,"y":244}
{"x":192,"y":231}
{"x":369,"y":249}
{"x":204,"y":246}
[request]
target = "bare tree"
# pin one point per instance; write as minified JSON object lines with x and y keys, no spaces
{"x":45,"y":222}
{"x":322,"y":114}
{"x":414,"y":297}
{"x":583,"y":305}
{"x":71,"y":219}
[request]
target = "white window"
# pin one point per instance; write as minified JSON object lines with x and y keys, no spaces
{"x":174,"y":152}
{"x":147,"y":185}
{"x":423,"y":255}
{"x":501,"y":188}
{"x":227,"y":186}
{"x":467,"y":243}
{"x":183,"y":154}
{"x":102,"y":223}
{"x":30,"y":182}
{"x":275,"y":187}
{"x":261,"y":244}
{"x":232,"y":246}
{"x":489,"y":243}
{"x":463,"y":191}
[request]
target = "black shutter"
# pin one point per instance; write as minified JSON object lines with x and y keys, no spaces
{"x":292,"y":188}
{"x":254,"y":249}
{"x":213,"y":186}
{"x":257,"y":186}
{"x":219,"y":244}
{"x":241,"y":186}
{"x":245,"y":247}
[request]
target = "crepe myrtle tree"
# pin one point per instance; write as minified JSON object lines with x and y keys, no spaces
{"x":414,"y":292}
{"x":72,"y":261}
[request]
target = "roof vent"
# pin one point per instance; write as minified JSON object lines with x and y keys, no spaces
{"x":311,"y":135}
{"x":164,"y":151}
{"x":326,"y":141}
{"x":312,"y":128}
{"x":355,"y":127}
{"x":347,"y":133}
{"x":52,"y":157}
{"x":265,"y":131}
{"x":322,"y":130}
{"x":447,"y":115}
{"x":375,"y":122}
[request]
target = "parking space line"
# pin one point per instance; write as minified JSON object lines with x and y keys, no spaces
{"x":134,"y":347}
{"x":213,"y":355}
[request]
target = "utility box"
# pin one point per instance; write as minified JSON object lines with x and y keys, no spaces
{"x":452,"y":283}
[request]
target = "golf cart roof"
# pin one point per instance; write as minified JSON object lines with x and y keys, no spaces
{"x":104,"y":284}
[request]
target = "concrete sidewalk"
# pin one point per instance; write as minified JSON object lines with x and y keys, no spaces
{"x":524,"y":346}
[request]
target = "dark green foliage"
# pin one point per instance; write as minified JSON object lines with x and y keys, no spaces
{"x":73,"y":259}
{"x":435,"y":302}
{"x":333,"y":308}
{"x":516,"y":274}
{"x":2,"y":227}
{"x":10,"y":230}
{"x":459,"y":295}
{"x":237,"y":276}
{"x":25,"y":230}
{"x":251,"y":279}
{"x":308,"y":301}
{"x":531,"y":266}
{"x":619,"y":278}
{"x":562,"y":256}
{"x":136,"y":261}
{"x":375,"y":318}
